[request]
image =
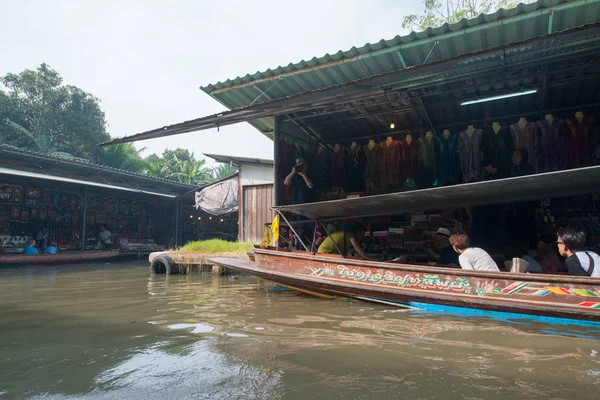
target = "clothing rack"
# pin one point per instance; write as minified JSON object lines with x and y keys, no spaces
{"x":505,"y":120}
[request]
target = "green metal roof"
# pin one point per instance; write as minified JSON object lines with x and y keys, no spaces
{"x":434,"y":44}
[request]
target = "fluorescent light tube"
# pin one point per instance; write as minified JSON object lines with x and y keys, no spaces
{"x":502,"y":96}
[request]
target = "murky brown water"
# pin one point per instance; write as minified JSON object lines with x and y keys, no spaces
{"x":116,"y":332}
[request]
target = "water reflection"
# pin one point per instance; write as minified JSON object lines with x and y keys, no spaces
{"x":114,"y":331}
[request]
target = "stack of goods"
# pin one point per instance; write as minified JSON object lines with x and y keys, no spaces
{"x":413,"y":237}
{"x":419,"y":221}
{"x":437,"y":221}
{"x":395,"y":236}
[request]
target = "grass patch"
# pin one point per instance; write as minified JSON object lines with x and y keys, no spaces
{"x":214,"y":246}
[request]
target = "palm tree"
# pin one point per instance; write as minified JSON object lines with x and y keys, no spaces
{"x":124,"y":156}
{"x":179,"y":165}
{"x":223,"y":171}
{"x":41,"y":143}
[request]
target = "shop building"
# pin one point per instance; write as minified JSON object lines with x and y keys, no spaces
{"x":71,"y":199}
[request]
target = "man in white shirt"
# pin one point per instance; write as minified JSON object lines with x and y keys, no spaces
{"x":105,"y":236}
{"x":472,"y":257}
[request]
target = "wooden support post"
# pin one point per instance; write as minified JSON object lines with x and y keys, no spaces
{"x":84,"y":227}
{"x":277,"y":137}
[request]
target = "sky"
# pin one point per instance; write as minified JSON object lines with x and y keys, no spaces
{"x":145,"y":60}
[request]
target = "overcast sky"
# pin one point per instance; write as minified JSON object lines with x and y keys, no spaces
{"x":146,"y":59}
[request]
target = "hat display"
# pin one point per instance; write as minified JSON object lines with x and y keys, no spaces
{"x":299,"y":161}
{"x":443,"y":232}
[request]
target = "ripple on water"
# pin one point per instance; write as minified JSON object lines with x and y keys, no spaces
{"x":198,"y":328}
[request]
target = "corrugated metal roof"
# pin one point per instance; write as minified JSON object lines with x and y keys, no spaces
{"x":564,"y":61}
{"x":448,"y":41}
{"x":237,"y":161}
{"x":31,"y":161}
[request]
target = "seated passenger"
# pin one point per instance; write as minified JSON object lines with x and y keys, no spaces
{"x":445,"y":254}
{"x":52,"y":248}
{"x":343,"y":239}
{"x":571,"y":243}
{"x":30,"y":248}
{"x":471,"y":257}
{"x":548,"y":257}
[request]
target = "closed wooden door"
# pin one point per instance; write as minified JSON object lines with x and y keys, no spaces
{"x":257,"y":203}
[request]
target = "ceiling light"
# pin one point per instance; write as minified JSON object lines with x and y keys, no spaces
{"x":502,"y":96}
{"x":392,"y":126}
{"x":199,"y":217}
{"x":191,"y":216}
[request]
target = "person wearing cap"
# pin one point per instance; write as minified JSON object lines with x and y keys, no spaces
{"x":444,"y":254}
{"x":302,"y":186}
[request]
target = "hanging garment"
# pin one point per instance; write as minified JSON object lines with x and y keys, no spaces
{"x":446,"y":156}
{"x":355,"y":169}
{"x":298,"y":151}
{"x":526,"y":138}
{"x":498,"y":148}
{"x":338,"y":169}
{"x":578,"y":139}
{"x":323,"y":169}
{"x":389,"y":164}
{"x":409,"y":160}
{"x":470,"y":155}
{"x":426,"y":151}
{"x":372,"y":167}
{"x":552,"y":155}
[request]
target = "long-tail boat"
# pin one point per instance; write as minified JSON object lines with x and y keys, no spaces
{"x":400,"y":283}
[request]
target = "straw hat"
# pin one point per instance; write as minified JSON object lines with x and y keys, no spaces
{"x":443,"y":232}
{"x":299,"y":161}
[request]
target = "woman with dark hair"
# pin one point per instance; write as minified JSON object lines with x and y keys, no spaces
{"x":548,"y":257}
{"x":343,"y":240}
{"x":571,"y":244}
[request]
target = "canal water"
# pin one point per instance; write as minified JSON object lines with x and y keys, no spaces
{"x":115,"y":331}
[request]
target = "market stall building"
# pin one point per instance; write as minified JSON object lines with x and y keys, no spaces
{"x":441,"y":110}
{"x":72,"y":199}
{"x":255,"y":183}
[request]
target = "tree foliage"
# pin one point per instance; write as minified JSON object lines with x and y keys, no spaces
{"x":124,"y":156}
{"x":223,"y":171}
{"x":439,"y":12}
{"x":61,"y":118}
{"x":40,"y":113}
{"x":179,"y":165}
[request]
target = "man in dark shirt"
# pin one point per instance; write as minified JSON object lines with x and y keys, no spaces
{"x":445,"y":254}
{"x":302,"y":186}
{"x":571,"y":243}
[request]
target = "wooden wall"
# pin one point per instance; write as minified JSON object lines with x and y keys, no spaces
{"x":255,"y":211}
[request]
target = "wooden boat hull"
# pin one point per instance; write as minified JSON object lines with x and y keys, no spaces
{"x":71,"y":257}
{"x":547,"y":295}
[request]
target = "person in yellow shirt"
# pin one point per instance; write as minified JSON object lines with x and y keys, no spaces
{"x":345,"y":239}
